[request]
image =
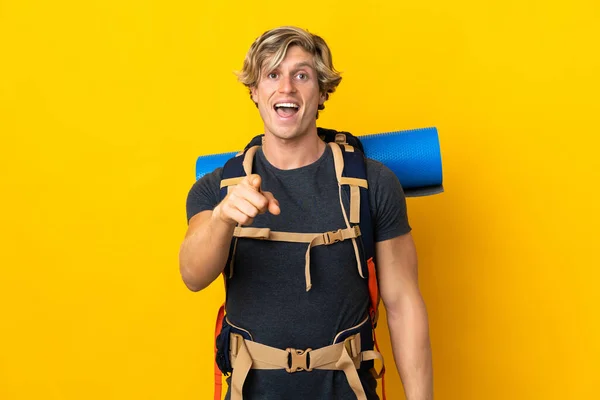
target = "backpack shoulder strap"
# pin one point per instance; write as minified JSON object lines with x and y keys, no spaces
{"x":353,"y":181}
{"x":236,"y":169}
{"x":351,"y":177}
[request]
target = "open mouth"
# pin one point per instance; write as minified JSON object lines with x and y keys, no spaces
{"x":286,"y":110}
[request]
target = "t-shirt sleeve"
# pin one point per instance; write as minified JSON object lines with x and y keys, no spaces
{"x":387,"y":202}
{"x":204,"y":194}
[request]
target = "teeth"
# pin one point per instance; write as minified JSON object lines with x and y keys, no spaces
{"x":291,"y":105}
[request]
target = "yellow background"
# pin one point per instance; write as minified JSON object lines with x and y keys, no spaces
{"x":105,"y":105}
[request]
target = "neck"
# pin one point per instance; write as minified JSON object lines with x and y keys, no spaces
{"x":293,"y":153}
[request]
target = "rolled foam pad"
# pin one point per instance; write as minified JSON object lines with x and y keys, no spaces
{"x":413,"y":155}
{"x":208,"y":163}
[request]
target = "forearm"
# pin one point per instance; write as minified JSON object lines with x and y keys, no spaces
{"x":409,"y":333}
{"x":204,"y":250}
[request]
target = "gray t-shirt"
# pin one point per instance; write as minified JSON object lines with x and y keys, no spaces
{"x":267,"y":293}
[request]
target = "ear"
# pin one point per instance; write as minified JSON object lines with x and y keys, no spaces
{"x":254,"y":94}
{"x":322,"y":97}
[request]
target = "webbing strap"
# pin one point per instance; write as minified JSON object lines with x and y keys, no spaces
{"x":344,"y":180}
{"x":344,"y":356}
{"x":338,"y":160}
{"x":243,"y":364}
{"x":231,"y":181}
{"x":346,"y":364}
{"x":246,"y":164}
{"x":355,"y":185}
{"x":313,"y":239}
{"x":340,"y":138}
{"x":249,"y":159}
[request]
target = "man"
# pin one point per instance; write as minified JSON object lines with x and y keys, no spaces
{"x":293,"y":188}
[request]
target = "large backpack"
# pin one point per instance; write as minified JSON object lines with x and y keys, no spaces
{"x":350,"y":167}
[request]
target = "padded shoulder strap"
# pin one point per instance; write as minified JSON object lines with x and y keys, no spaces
{"x":353,"y":180}
{"x":354,"y":202}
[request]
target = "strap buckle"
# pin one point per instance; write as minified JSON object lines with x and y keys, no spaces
{"x":338,"y":236}
{"x":235,"y":343}
{"x":298,"y":360}
{"x":352,"y":347}
{"x":332,"y":237}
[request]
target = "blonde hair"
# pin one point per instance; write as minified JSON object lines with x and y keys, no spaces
{"x":273,"y":45}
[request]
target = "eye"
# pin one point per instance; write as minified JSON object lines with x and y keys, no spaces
{"x":302,"y":76}
{"x":272,"y":75}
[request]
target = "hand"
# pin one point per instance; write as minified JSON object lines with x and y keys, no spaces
{"x":245,"y":201}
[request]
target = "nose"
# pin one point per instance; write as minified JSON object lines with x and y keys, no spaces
{"x":286,"y":85}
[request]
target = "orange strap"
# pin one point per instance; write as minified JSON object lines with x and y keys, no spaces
{"x":373,"y":291}
{"x":382,"y":373}
{"x":218,"y":375}
{"x":374,"y":311}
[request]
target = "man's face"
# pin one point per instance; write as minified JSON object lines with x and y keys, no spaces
{"x":288,"y":96}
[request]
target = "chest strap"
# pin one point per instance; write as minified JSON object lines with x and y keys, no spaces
{"x":344,"y":356}
{"x":313,"y":239}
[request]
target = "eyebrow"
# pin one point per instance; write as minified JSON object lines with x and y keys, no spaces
{"x":297,"y":66}
{"x":303,"y":64}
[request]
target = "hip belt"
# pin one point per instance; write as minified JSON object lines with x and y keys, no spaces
{"x":346,"y":354}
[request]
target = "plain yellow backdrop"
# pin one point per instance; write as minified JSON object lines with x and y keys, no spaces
{"x":105,"y":105}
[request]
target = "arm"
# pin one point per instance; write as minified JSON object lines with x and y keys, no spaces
{"x":406,"y":315}
{"x":205,"y":248}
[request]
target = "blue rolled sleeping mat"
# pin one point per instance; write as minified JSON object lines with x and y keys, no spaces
{"x":413,"y":155}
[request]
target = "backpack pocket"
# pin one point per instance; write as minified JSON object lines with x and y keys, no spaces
{"x":222,"y":358}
